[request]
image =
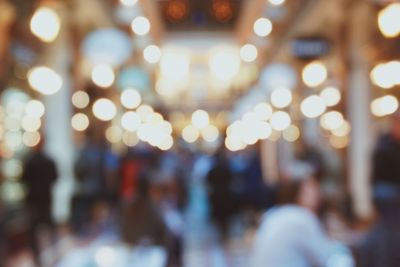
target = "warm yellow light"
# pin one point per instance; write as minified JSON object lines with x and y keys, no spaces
{"x":313,"y":106}
{"x":35,"y":109}
{"x":384,"y":106}
{"x":45,"y":24}
{"x":114,"y":134}
{"x":128,"y":3}
{"x":332,"y":120}
{"x":44,"y":80}
{"x":130,"y":139}
{"x":31,"y":139}
{"x":141,"y":25}
{"x":31,"y":124}
{"x":263,"y":111}
{"x":262,"y":27}
{"x":104,"y":109}
{"x":248,"y":53}
{"x":291,"y":134}
{"x":339,"y":142}
{"x":200,"y":119}
{"x":80,"y":122}
{"x":280,"y":120}
{"x":80,"y":99}
{"x":190,"y":134}
{"x":389,"y":20}
{"x":343,"y":130}
{"x":331,"y":96}
{"x":152,"y":54}
{"x":224,"y":64}
{"x":314,"y":74}
{"x":277,"y":2}
{"x":130,"y":98}
{"x":103,"y":76}
{"x":210,"y":133}
{"x":174,"y":65}
{"x":281,"y":97}
{"x":130,"y":121}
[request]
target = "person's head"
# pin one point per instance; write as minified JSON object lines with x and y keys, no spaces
{"x":302,"y":188}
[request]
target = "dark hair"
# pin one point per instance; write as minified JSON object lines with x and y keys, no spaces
{"x":288,"y":192}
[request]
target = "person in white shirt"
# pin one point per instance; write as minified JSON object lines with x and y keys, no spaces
{"x":290,"y":235}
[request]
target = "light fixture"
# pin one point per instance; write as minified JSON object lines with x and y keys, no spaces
{"x":314,"y":74}
{"x":130,"y":98}
{"x":262,"y":27}
{"x":45,"y":24}
{"x":141,"y":25}
{"x":331,"y":96}
{"x":103,"y":76}
{"x":152,"y":54}
{"x":281,"y":97}
{"x":80,"y":122}
{"x":280,"y":120}
{"x":104,"y":109}
{"x":313,"y":106}
{"x":45,"y":80}
{"x":200,"y":119}
{"x":248,"y":53}
{"x":389,"y":20}
{"x":80,"y":99}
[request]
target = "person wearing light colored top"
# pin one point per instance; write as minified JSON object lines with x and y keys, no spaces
{"x":291,"y":235}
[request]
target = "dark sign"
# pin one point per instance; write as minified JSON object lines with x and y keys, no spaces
{"x":310,"y":47}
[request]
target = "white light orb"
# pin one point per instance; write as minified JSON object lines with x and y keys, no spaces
{"x":31,"y":139}
{"x":105,"y":257}
{"x":35,"y":108}
{"x":234,"y":144}
{"x":31,"y":124}
{"x":44,"y":80}
{"x":200,"y":119}
{"x":277,"y":2}
{"x":80,"y":99}
{"x":128,"y":3}
{"x":130,"y":98}
{"x":331,"y":120}
{"x":389,"y":20}
{"x":386,"y":75}
{"x":263,"y":130}
{"x":281,"y":97}
{"x":144,"y":111}
{"x":152,"y":54}
{"x":104,"y":109}
{"x":166,"y":144}
{"x":262,"y":27}
{"x":313,"y":106}
{"x":343,"y":130}
{"x":291,"y":134}
{"x":141,"y":25}
{"x":45,"y":24}
{"x":210,"y":133}
{"x":175,"y":66}
{"x":13,"y":140}
{"x":130,"y":139}
{"x":280,"y":120}
{"x":190,"y":134}
{"x":248,"y":53}
{"x":114,"y":134}
{"x":103,"y":76}
{"x":263,"y":111}
{"x":314,"y":74}
{"x":331,"y":96}
{"x":80,"y":122}
{"x":384,"y":106}
{"x":130,"y":121}
{"x":224,"y":64}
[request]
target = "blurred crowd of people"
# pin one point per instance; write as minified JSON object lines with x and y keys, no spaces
{"x":142,"y":197}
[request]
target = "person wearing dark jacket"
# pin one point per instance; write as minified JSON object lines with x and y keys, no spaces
{"x":39,"y":175}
